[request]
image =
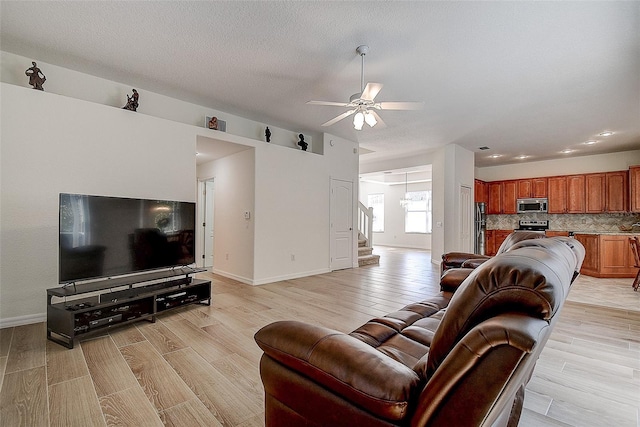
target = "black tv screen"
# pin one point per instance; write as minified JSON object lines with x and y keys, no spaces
{"x":110,"y":236}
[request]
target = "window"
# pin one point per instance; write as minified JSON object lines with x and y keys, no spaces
{"x":417,"y":217}
{"x":376,"y":201}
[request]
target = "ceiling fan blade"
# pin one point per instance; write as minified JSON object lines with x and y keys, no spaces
{"x":380,"y":123}
{"x":370,"y":91}
{"x":333,"y":104}
{"x":340,"y":117}
{"x":400,"y":105}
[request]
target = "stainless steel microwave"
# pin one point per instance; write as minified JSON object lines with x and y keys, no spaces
{"x":531,"y":205}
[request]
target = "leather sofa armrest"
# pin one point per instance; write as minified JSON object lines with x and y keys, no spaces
{"x":474,"y":262}
{"x":455,"y":259}
{"x":451,"y":279}
{"x":343,"y":364}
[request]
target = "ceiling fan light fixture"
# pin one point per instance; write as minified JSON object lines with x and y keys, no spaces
{"x":358,"y":120}
{"x":370,"y":118}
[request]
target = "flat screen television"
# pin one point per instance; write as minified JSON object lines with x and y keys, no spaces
{"x":111,"y":236}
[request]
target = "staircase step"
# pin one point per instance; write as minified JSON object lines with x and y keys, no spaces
{"x":369,"y":260}
{"x":362,"y":243}
{"x":363,"y":250}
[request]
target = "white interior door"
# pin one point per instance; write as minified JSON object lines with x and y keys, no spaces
{"x":466,"y":219}
{"x":209,"y":193}
{"x":341,"y":224}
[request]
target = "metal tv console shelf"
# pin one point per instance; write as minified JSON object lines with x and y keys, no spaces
{"x":117,"y":302}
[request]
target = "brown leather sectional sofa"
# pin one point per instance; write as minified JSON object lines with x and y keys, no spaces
{"x":460,"y":360}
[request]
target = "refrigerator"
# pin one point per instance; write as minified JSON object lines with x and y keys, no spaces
{"x":480,"y":226}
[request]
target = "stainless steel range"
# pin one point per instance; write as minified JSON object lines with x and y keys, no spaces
{"x":540,"y":226}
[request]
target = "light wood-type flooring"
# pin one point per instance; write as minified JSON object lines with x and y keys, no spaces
{"x":199,"y":365}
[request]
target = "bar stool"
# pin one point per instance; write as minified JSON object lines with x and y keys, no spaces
{"x":635,"y":248}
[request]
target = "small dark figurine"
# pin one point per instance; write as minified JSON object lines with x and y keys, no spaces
{"x":36,"y":78}
{"x":132,"y":101}
{"x":301,"y":143}
{"x":213,"y":123}
{"x":267,"y":134}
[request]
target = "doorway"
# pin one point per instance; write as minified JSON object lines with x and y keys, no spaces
{"x":208,"y":193}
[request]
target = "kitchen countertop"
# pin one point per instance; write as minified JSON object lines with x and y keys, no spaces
{"x":624,"y":233}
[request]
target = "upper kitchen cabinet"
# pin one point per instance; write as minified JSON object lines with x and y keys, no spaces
{"x":634,"y":187}
{"x":494,"y":198}
{"x":532,"y":188}
{"x":480,"y":191}
{"x":617,"y":191}
{"x":607,"y":192}
{"x":502,"y":197}
{"x":596,"y":185}
{"x":557,"y":195}
{"x":566,"y":194}
{"x":575,"y":194}
{"x":509,"y":196}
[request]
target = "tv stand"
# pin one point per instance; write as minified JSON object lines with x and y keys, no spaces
{"x":117,"y":302}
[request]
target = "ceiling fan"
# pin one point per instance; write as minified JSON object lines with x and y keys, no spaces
{"x":363,"y":105}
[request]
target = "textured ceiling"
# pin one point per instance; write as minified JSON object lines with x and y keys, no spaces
{"x":529,"y":78}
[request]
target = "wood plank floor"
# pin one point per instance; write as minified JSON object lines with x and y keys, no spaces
{"x":199,"y":365}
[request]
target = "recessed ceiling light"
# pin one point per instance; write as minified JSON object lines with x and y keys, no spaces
{"x":606,"y":133}
{"x":523,"y":156}
{"x":590,"y":142}
{"x":567,"y":151}
{"x":495,"y":156}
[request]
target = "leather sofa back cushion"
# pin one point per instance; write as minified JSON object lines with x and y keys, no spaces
{"x":533,"y":280}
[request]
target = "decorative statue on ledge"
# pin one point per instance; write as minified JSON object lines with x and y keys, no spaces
{"x":36,"y":77}
{"x":213,"y":123}
{"x":267,"y":134}
{"x":132,"y":101}
{"x":301,"y":143}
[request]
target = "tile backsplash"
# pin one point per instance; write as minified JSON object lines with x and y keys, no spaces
{"x":607,"y":222}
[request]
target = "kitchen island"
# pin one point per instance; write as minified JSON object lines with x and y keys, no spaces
{"x":608,"y":254}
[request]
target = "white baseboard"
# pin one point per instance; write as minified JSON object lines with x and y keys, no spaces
{"x":270,"y":279}
{"x":290,"y":276}
{"x":22,"y":320}
{"x":232,"y":276}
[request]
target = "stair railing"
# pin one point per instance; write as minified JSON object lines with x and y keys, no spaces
{"x":365,"y":223}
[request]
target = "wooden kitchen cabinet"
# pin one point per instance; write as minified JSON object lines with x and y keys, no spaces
{"x":532,"y":188}
{"x":554,"y":233}
{"x":575,"y":194}
{"x":595,"y":190}
{"x":493,"y":240}
{"x":634,"y":188}
{"x":617,"y":191}
{"x":490,"y":242}
{"x":480,"y":191}
{"x":607,"y":255}
{"x":501,"y":235}
{"x":591,"y":243}
{"x":524,"y":189}
{"x":509,"y":196}
{"x":557,"y":195}
{"x":494,"y":196}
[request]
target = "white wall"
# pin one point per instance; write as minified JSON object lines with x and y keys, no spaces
{"x":394,"y":234}
{"x":52,"y":144}
{"x":78,"y":85}
{"x":452,"y":168}
{"x":572,"y":165}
